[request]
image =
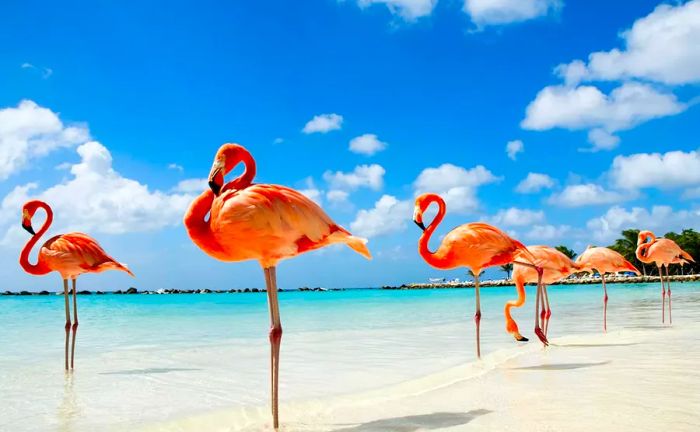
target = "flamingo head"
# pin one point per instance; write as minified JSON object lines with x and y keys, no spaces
{"x":645,"y":237}
{"x":642,"y":251}
{"x":28,"y":210}
{"x":422,"y":203}
{"x":228,"y":156}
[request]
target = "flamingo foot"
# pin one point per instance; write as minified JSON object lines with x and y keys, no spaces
{"x":540,"y":334}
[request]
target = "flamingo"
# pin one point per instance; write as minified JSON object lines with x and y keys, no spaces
{"x":663,"y":252}
{"x":473,"y":245}
{"x":70,"y":255}
{"x":262,"y":222}
{"x":604,"y":260}
{"x":556,"y":266}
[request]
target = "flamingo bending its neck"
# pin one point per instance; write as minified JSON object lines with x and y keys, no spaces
{"x":604,"y":260}
{"x":70,"y":255}
{"x":556,"y":266}
{"x":663,"y":252}
{"x":473,"y":245}
{"x":262,"y":222}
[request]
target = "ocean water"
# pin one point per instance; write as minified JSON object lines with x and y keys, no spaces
{"x":144,"y":359}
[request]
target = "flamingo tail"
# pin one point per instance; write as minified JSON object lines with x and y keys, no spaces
{"x":687,"y":256}
{"x":113,"y":265}
{"x":632,"y":268}
{"x":358,"y":244}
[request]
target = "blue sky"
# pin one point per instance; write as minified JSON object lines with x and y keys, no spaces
{"x":113,"y":114}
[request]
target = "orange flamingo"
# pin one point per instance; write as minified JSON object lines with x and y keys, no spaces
{"x":556,"y":266}
{"x":70,"y":255}
{"x":604,"y":260}
{"x":473,"y":245}
{"x":263,"y":222}
{"x":663,"y":252}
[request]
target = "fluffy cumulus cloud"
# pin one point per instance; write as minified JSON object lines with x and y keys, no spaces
{"x":369,"y":176}
{"x":607,"y":227}
{"x":389,"y":215}
{"x":667,"y":170}
{"x":337,"y":196}
{"x":586,"y":107}
{"x":534,"y":182}
{"x":586,"y":194}
{"x":98,"y":199}
{"x":662,"y":46}
{"x":514,"y":216}
{"x":513,"y":148}
{"x":547,"y":232}
{"x":323,"y":123}
{"x":28,"y":132}
{"x":498,"y":12}
{"x":455,"y":184}
{"x":311,"y":191}
{"x":410,"y":10}
{"x":367,"y":144}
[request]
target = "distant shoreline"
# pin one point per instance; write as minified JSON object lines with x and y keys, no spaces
{"x":408,"y":286}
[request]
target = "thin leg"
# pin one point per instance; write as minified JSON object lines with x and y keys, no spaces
{"x":275,"y":340}
{"x":668,"y":284}
{"x":547,"y":310}
{"x":477,"y":316}
{"x":538,"y":329}
{"x":605,"y":304}
{"x":75,"y":325}
{"x":663,"y":295}
{"x":68,"y":324}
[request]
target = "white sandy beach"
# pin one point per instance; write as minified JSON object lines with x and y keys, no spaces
{"x":634,"y":379}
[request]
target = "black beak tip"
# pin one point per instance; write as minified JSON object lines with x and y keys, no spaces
{"x":523,"y":339}
{"x":29,"y":229}
{"x":420,"y":225}
{"x":215,"y":188}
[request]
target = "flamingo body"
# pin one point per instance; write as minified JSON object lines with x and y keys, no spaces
{"x":604,"y":260}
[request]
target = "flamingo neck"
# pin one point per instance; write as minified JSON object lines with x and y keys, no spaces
{"x":40,"y":268}
{"x":198,"y":227}
{"x":245,"y":179}
{"x":437,"y":258}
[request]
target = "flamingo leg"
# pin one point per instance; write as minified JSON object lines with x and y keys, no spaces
{"x":668,"y":285}
{"x":75,"y":325}
{"x":605,"y":304}
{"x":663,"y":295}
{"x":538,"y":329}
{"x":547,"y":311}
{"x":68,"y":324}
{"x":275,"y":340}
{"x":477,"y":315}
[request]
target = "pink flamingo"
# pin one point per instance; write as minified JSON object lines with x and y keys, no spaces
{"x":663,"y":252}
{"x":264,"y":222}
{"x":604,"y":260}
{"x":70,"y":255}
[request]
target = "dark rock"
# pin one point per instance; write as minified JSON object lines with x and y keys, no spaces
{"x":118,"y":292}
{"x":24,"y":293}
{"x":6,"y":293}
{"x":247,"y":290}
{"x":84,"y":292}
{"x":131,"y":290}
{"x":42,"y":293}
{"x":254,"y":290}
{"x":99,"y":293}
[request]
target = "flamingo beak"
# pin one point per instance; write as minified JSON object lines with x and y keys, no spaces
{"x":216,"y":180}
{"x":28,"y":226}
{"x":214,"y":186}
{"x":420,"y":224}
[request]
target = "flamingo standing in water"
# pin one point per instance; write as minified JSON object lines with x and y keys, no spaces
{"x":473,"y":245}
{"x":70,"y":255}
{"x":557,"y":266}
{"x":604,"y":260}
{"x":267,"y":223}
{"x":663,"y":252}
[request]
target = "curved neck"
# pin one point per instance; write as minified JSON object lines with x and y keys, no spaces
{"x":435,"y":259}
{"x":198,"y":228}
{"x":245,"y":179}
{"x":40,"y":268}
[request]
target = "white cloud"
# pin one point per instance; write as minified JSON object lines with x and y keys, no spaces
{"x":586,"y":107}
{"x":607,"y":227}
{"x":45,"y":72}
{"x":323,"y":123}
{"x":499,"y":12}
{"x":193,"y":186}
{"x":28,"y":132}
{"x":455,"y":184}
{"x":586,"y":194}
{"x":662,"y":46}
{"x":311,"y":191}
{"x":691,"y":193}
{"x":98,"y":199}
{"x":278,"y":140}
{"x":337,"y":196}
{"x":367,"y":144}
{"x":369,"y":176}
{"x":389,"y":215}
{"x":176,"y":167}
{"x":534,"y":182}
{"x":514,"y":216}
{"x":547,"y":232}
{"x":514,"y":147}
{"x":410,"y":10}
{"x":667,"y":170}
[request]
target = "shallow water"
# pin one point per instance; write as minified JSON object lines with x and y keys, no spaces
{"x":143,"y":359}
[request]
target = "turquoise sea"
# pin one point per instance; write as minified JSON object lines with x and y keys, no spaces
{"x":142,"y":359}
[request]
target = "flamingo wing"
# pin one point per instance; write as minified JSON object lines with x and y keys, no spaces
{"x":78,"y":251}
